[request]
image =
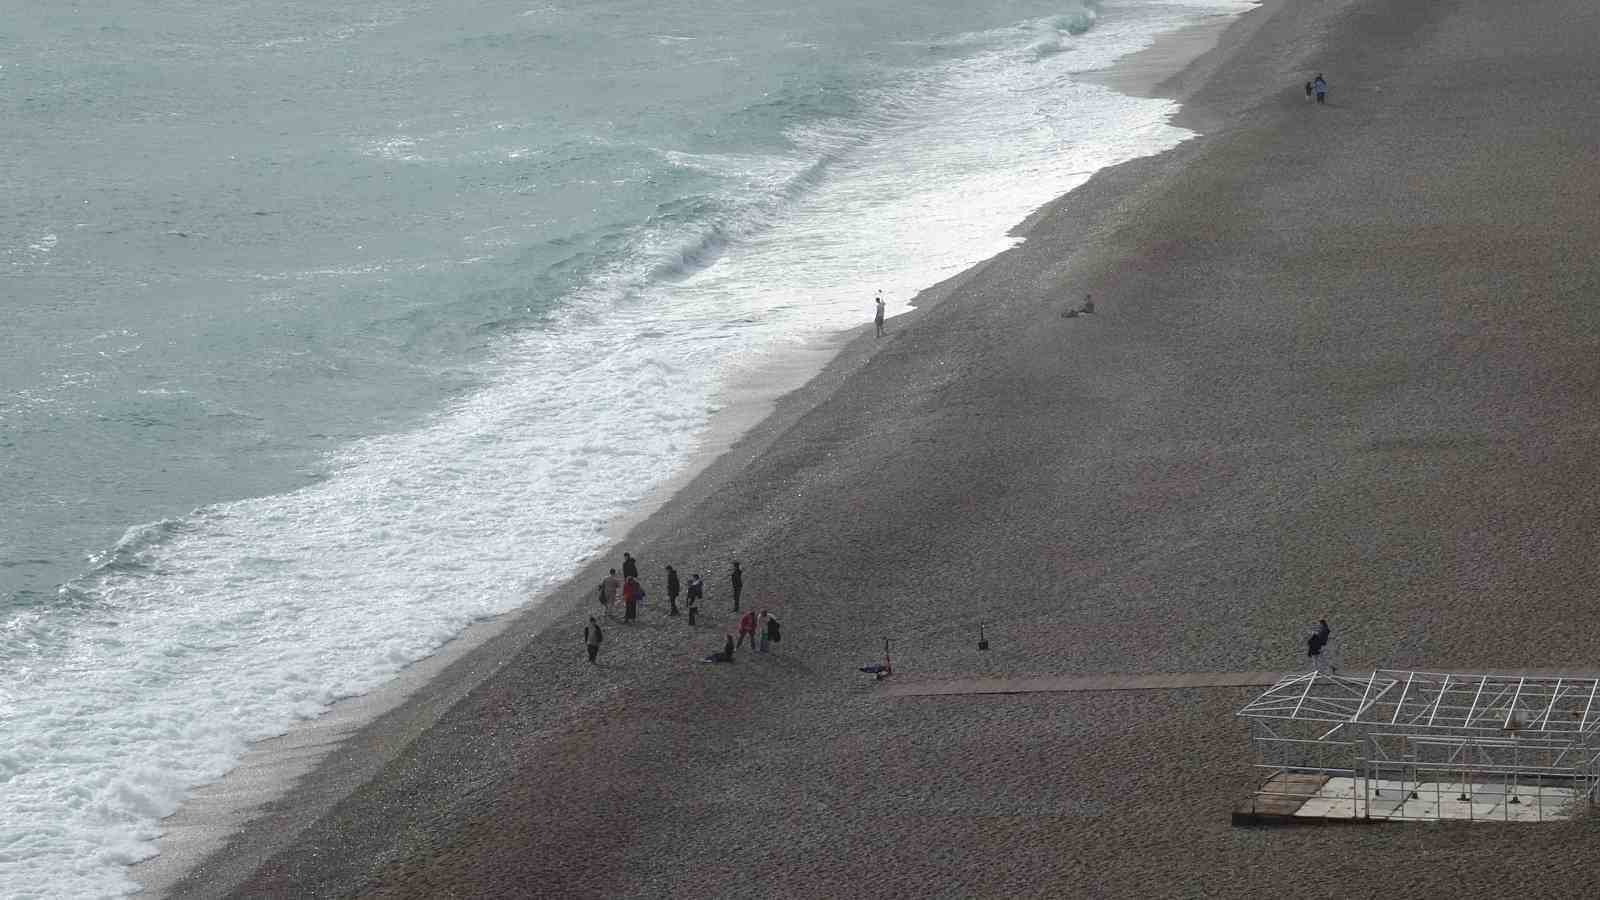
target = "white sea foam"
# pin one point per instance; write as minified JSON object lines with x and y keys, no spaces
{"x":236,"y":622}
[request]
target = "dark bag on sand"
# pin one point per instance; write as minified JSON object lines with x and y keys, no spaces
{"x":774,"y":633}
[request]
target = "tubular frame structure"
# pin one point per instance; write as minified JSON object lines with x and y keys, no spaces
{"x":1486,"y":740}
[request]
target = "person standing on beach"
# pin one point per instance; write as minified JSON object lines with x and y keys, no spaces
{"x":631,"y":595}
{"x":592,"y":636}
{"x":878,"y":319}
{"x":761,"y":632}
{"x":1320,"y":86}
{"x":1308,"y":92}
{"x":672,"y":590}
{"x":630,"y":569}
{"x":612,"y":585}
{"x":1316,"y":643}
{"x":747,"y":629}
{"x":697,"y":590}
{"x":773,"y":634}
{"x":737,"y":577}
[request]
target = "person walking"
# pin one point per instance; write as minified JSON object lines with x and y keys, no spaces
{"x":672,"y":590}
{"x":592,"y":636}
{"x":631,"y":595}
{"x":773,"y":633}
{"x":761,"y":632}
{"x":613,"y":587}
{"x":630,"y":569}
{"x":737,"y":577}
{"x":878,"y":319}
{"x":697,"y":590}
{"x":1316,"y":643}
{"x":1320,"y":85}
{"x":747,"y":629}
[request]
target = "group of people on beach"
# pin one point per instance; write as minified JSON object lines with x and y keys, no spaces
{"x":628,"y":593}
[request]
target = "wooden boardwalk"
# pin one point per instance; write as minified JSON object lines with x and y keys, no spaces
{"x":1037,"y":684}
{"x":1159,"y":681}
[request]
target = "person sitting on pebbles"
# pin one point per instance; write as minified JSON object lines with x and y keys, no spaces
{"x":726,"y":656}
{"x":1087,"y":309}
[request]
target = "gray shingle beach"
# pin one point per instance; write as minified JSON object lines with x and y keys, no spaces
{"x":1342,"y":364}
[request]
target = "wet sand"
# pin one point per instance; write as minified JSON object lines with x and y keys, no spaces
{"x":1343,"y":364}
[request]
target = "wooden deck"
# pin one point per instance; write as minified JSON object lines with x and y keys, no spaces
{"x":1160,"y":681}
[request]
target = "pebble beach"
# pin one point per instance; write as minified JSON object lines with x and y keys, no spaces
{"x":1341,"y":365}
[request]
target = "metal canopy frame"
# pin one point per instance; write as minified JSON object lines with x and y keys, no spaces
{"x":1479,"y":733}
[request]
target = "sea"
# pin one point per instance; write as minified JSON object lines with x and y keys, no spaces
{"x":328,"y":329}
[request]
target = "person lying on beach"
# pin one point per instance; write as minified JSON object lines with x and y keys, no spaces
{"x":1087,"y":309}
{"x":726,"y":656}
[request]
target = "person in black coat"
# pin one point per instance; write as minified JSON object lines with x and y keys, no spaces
{"x":737,"y":577}
{"x":1315,"y":644}
{"x":630,"y":568}
{"x":672,"y":590}
{"x":697,"y":592}
{"x":774,"y":633}
{"x":726,"y":656}
{"x":592,"y":636}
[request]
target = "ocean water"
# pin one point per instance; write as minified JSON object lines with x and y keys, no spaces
{"x":329,"y":329}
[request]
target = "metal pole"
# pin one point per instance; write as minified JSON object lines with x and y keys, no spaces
{"x":1516,"y":763}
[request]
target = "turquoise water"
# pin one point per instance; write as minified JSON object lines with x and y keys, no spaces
{"x":234,"y":241}
{"x":329,"y":331}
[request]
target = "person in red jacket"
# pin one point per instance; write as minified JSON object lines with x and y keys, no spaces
{"x":747,"y":628}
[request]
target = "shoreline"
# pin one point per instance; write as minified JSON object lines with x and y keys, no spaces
{"x":1341,"y":367}
{"x":292,"y":780}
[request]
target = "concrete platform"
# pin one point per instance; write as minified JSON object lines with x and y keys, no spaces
{"x":1438,"y":801}
{"x":1296,"y":799}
